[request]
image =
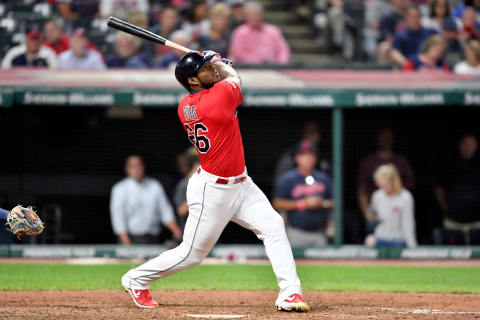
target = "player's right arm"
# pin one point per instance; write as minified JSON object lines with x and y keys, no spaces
{"x":227,"y":72}
{"x":227,"y":92}
{"x":222,"y":66}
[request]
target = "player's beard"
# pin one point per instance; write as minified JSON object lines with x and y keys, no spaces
{"x":206,"y":85}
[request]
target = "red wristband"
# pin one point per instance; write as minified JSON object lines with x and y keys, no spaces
{"x":300,"y":205}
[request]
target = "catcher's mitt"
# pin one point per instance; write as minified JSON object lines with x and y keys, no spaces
{"x":24,"y":221}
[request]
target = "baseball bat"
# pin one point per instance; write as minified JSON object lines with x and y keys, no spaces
{"x":144,"y":34}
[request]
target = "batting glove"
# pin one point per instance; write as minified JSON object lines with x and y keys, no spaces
{"x":216,"y":56}
{"x":227,"y":61}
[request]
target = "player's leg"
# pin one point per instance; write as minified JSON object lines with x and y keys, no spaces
{"x":257,"y":214}
{"x":210,"y":209}
{"x":3,"y":214}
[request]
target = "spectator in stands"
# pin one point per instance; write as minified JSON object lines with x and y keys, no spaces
{"x":127,"y":53}
{"x":450,"y":31}
{"x":30,"y":54}
{"x":375,"y":10}
{"x":170,"y":59}
{"x":471,"y":65}
{"x":458,"y":11}
{"x":180,"y":195}
{"x":79,"y":56}
{"x":238,"y":13}
{"x":168,"y":23}
{"x":390,"y":24}
{"x":311,"y":132}
{"x":305,"y":195}
{"x":431,"y":58}
{"x":218,"y":37}
{"x":138,"y":206}
{"x":408,"y":41}
{"x":383,"y":155}
{"x":393,"y":209}
{"x":394,"y":21}
{"x":341,"y":35}
{"x":440,"y":13}
{"x":458,"y":193}
{"x":57,"y":40}
{"x":470,"y":29}
{"x":122,"y":9}
{"x":54,"y":37}
{"x":257,"y":42}
{"x":137,"y":18}
{"x":196,"y":19}
{"x":74,"y":9}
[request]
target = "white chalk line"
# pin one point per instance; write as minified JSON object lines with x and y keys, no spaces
{"x":403,"y":311}
{"x":428,"y":311}
{"x":398,"y":311}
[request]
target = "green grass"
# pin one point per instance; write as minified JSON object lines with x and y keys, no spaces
{"x":247,"y":277}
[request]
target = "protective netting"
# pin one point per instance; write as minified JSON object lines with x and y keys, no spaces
{"x":72,"y":157}
{"x":428,"y":138}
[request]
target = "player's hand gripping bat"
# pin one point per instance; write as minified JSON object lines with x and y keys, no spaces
{"x":145,"y":34}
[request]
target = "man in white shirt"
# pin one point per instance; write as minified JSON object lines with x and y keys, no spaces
{"x":138,"y":206}
{"x":30,"y":54}
{"x":79,"y":56}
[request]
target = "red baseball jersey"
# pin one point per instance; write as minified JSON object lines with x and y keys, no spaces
{"x":210,"y":119}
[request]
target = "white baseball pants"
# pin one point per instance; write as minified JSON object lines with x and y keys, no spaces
{"x":211,"y":207}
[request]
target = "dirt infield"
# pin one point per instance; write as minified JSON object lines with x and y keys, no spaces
{"x":251,"y":304}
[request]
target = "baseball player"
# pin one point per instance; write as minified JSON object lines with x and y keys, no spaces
{"x":220,"y":191}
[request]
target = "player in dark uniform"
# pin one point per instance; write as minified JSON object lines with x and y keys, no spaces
{"x":305,"y":195}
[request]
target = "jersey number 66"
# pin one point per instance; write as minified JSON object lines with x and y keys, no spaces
{"x":197,"y":137}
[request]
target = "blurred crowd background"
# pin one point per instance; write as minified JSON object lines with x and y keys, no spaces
{"x":401,"y":34}
{"x":409,"y":177}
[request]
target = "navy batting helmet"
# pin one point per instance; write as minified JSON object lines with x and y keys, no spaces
{"x":188,"y":66}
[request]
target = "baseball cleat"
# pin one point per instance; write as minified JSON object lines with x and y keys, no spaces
{"x":294,"y":303}
{"x":142,"y":298}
